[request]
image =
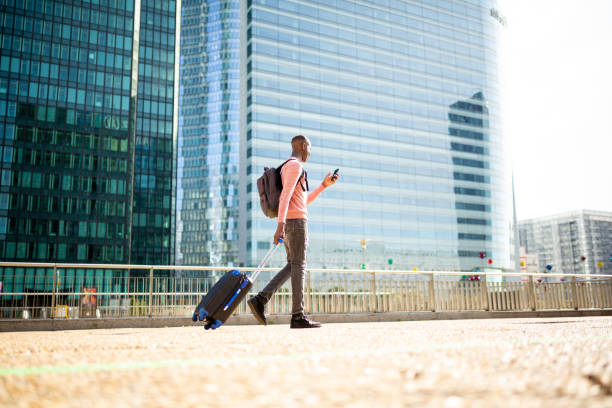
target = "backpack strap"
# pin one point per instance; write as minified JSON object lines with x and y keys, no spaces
{"x":285,"y":162}
{"x":304,"y":174}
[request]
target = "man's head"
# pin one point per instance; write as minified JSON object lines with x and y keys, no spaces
{"x":300,"y":146}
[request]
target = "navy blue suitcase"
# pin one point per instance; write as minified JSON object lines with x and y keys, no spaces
{"x":222,"y":299}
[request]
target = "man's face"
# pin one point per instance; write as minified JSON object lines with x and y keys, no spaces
{"x":305,"y":150}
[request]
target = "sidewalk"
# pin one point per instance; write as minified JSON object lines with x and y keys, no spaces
{"x":552,"y":362}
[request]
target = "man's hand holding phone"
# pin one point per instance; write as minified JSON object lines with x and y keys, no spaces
{"x":331,"y":178}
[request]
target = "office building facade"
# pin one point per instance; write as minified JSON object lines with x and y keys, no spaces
{"x":88,"y":133}
{"x":573,"y":242}
{"x":209,"y":133}
{"x":403,"y":97}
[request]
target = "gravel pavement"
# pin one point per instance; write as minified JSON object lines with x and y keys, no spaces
{"x":559,"y":362}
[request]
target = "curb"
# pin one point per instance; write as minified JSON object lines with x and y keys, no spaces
{"x":246,"y":319}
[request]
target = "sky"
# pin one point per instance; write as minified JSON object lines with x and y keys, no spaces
{"x":556,"y":68}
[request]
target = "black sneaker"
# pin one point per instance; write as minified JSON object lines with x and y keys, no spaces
{"x":301,"y":322}
{"x":257,"y":308}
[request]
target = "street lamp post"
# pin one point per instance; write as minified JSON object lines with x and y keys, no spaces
{"x":373,"y":303}
{"x":363,"y":242}
{"x":584,"y":265}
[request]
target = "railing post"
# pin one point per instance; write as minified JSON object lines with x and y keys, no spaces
{"x":600,"y":294}
{"x":308,"y":300}
{"x":610,"y":305}
{"x":532,"y":294}
{"x":432,"y":293}
{"x":574,"y":293}
{"x":53,"y":292}
{"x":484,"y":291}
{"x":150,"y":292}
{"x":373,"y":305}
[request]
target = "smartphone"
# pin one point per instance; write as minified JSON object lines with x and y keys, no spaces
{"x":335,"y":175}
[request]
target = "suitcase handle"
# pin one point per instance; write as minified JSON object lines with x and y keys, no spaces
{"x":265,"y":260}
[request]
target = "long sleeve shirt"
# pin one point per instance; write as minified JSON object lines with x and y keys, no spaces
{"x":293,"y":199}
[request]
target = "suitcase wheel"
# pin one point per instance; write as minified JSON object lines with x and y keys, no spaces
{"x":202,"y":314}
{"x":213,"y":325}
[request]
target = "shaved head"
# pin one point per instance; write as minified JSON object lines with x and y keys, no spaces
{"x":298,"y":140}
{"x":300,"y":146}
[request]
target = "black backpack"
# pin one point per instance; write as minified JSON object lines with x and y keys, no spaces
{"x":270,"y":186}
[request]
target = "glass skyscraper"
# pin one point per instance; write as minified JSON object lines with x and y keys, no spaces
{"x":209,"y":133}
{"x":154,"y":197}
{"x":402,"y":96}
{"x":87,"y":131}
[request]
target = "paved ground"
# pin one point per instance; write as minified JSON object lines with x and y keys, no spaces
{"x":561,"y":362}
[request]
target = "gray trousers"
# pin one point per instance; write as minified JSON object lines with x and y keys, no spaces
{"x":296,"y":242}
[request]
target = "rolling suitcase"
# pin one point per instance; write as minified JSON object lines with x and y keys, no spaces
{"x":223,"y":298}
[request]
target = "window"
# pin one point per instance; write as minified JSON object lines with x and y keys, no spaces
{"x":82,"y":252}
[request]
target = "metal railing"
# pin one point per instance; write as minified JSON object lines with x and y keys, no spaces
{"x":68,"y":291}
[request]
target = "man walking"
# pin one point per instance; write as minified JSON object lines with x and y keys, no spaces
{"x":293,"y":229}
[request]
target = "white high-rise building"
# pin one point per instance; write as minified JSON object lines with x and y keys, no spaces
{"x":572,"y":242}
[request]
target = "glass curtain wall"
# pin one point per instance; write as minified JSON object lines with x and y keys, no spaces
{"x":69,"y":79}
{"x":65,"y":80}
{"x":154,"y":160}
{"x":209,"y":133}
{"x":66,"y":135}
{"x":403,"y":97}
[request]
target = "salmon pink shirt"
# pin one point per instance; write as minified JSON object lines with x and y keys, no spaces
{"x":293,"y":199}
